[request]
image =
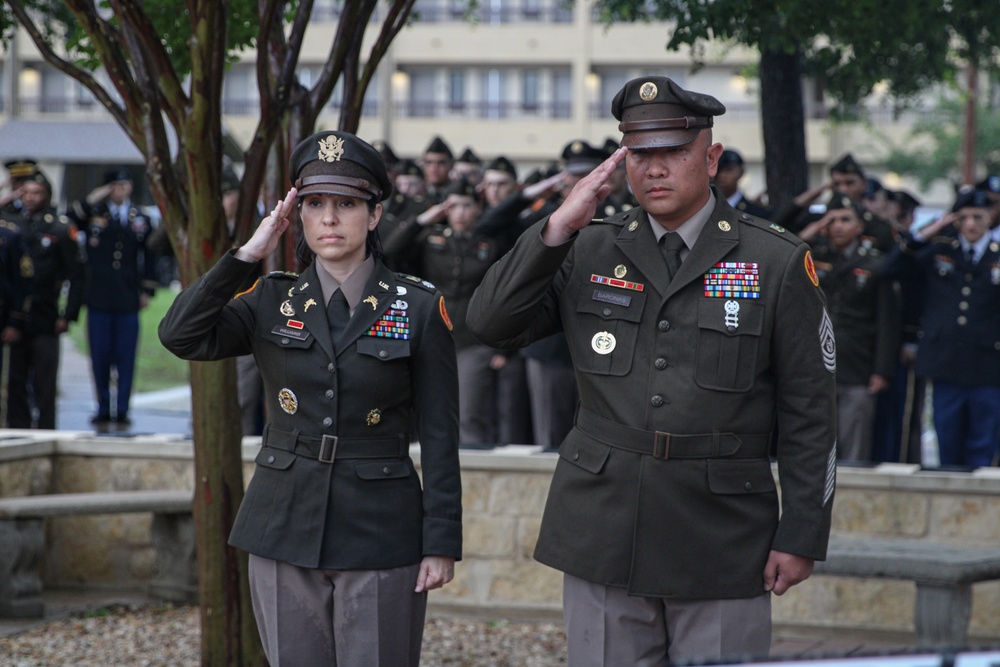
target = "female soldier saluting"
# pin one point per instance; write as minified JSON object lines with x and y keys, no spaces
{"x":343,"y":541}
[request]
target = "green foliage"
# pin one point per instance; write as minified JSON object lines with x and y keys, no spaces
{"x":933,"y":149}
{"x":848,"y":45}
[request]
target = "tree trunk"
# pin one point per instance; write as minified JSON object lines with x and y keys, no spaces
{"x":783,"y":120}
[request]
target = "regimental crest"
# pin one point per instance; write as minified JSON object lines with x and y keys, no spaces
{"x":331,"y":149}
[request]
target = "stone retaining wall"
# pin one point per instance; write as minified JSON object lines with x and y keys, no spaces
{"x":504,"y":492}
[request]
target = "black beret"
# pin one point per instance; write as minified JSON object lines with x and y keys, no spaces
{"x":972,"y":199}
{"x":655,"y":112}
{"x":116,"y":174}
{"x":847,"y":165}
{"x":730,"y":158}
{"x":461,"y":187}
{"x":437,"y":145}
{"x":502,"y":164}
{"x":385,"y":150}
{"x":582,"y":158}
{"x":468,"y":156}
{"x":21,"y":167}
{"x":408,"y":167}
{"x":339,"y":163}
{"x":840,"y":200}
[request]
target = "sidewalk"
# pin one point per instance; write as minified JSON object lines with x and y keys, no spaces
{"x":165,"y":411}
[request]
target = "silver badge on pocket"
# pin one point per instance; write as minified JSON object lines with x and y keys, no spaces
{"x":603,"y":342}
{"x":732,"y":315}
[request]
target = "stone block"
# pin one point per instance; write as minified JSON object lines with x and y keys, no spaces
{"x":966,"y":518}
{"x":488,"y":536}
{"x":519,"y":494}
{"x":882,"y":513}
{"x":22,"y":545}
{"x":475,"y":491}
{"x":142,"y":564}
{"x":527,"y":536}
{"x":25,"y":477}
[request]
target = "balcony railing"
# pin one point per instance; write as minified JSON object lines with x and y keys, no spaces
{"x":507,"y":110}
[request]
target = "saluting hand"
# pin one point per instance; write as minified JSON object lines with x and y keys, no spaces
{"x":265,"y":240}
{"x":580,"y":205}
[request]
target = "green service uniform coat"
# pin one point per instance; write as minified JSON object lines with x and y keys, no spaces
{"x":334,"y":487}
{"x":664,"y":486}
{"x":865,"y":309}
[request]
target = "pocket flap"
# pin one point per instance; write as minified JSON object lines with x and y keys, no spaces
{"x":278,"y":459}
{"x":383,"y":349}
{"x":382,"y":469}
{"x":729,"y":476}
{"x":585,"y":453}
{"x":745,"y":318}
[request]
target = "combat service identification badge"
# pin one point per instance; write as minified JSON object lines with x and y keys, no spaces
{"x":287,"y":401}
{"x":603,"y":342}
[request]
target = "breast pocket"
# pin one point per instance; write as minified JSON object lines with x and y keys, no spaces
{"x":604,"y":341}
{"x":728,"y":343}
{"x":384,"y":349}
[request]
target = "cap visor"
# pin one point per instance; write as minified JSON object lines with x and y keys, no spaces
{"x":659,"y":138}
{"x":335,"y":189}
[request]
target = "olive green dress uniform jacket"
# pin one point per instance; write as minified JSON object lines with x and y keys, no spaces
{"x":366,"y":509}
{"x":865,"y":309}
{"x":691,"y":511}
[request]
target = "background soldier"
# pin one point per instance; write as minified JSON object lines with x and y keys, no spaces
{"x":58,"y":261}
{"x":16,"y":270}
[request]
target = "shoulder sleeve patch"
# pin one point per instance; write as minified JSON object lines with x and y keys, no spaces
{"x":247,"y":291}
{"x":811,"y":268}
{"x":444,"y":314}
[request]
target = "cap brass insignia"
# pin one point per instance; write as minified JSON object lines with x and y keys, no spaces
{"x":372,"y":301}
{"x":288,"y":402}
{"x":374,"y":417}
{"x":331,"y":149}
{"x":577,"y":147}
{"x":724,"y":226}
{"x":286,"y":309}
{"x":310,"y":302}
{"x":620,"y":271}
{"x":648,"y":91}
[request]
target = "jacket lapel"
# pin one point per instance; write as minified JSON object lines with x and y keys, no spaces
{"x":717,"y":239}
{"x":307,"y":300}
{"x":639,"y":245}
{"x":378,"y":295}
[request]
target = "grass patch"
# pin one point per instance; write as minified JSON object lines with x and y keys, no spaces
{"x":155,"y":367}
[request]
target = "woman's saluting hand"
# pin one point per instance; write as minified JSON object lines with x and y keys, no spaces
{"x":265,"y":239}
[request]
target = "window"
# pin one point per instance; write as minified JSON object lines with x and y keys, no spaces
{"x":456,"y":90}
{"x":562,"y":97}
{"x":529,"y":90}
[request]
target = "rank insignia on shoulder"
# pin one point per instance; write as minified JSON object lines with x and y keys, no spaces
{"x":616,"y":282}
{"x":776,"y":227}
{"x":283,"y":274}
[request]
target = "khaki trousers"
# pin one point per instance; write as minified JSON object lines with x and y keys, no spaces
{"x":351,"y":618}
{"x":606,"y":627}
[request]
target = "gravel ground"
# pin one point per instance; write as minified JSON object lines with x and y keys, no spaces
{"x":168,"y":636}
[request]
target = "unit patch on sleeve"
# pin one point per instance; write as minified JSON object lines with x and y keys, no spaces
{"x":733,"y":280}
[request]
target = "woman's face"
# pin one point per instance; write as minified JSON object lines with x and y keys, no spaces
{"x":336,"y":227}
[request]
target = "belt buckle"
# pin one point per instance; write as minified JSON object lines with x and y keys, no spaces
{"x":328,"y":449}
{"x":661,"y":445}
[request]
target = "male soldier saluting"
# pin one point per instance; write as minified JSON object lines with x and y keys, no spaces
{"x":663,"y":512}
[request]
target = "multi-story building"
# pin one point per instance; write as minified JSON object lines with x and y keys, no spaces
{"x":516,"y":77}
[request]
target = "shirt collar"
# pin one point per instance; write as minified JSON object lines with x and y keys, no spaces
{"x":979,"y":247}
{"x":352,"y":287}
{"x":691,"y":228}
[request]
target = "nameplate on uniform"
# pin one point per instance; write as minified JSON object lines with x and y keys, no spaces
{"x":733,"y":280}
{"x":392,"y":324}
{"x":612,"y":297}
{"x":290,"y":332}
{"x":616,"y":282}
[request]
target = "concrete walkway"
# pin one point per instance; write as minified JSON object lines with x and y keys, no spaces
{"x":165,"y":411}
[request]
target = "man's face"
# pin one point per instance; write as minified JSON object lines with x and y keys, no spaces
{"x":34,"y":196}
{"x":497,"y":185}
{"x":852,"y":185}
{"x":844,"y":227}
{"x":120,"y":191}
{"x":972,"y":223}
{"x":436,"y":167}
{"x":411,"y":186}
{"x":671,"y":184}
{"x":471,"y":172}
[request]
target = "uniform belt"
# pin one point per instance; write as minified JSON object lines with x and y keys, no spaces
{"x":662,"y":445}
{"x":326,"y":448}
